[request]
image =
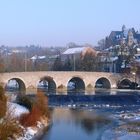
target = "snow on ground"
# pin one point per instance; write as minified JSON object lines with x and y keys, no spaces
{"x":29,"y":132}
{"x":16,"y":109}
{"x":34,"y":131}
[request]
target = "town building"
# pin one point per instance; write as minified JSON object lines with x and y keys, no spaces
{"x":123,"y":48}
{"x":77,"y":53}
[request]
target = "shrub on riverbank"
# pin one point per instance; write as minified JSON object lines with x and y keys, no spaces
{"x":42,"y":103}
{"x":8,"y":124}
{"x":3,"y":103}
{"x":9,"y":127}
{"x":31,"y":118}
{"x":39,"y":109}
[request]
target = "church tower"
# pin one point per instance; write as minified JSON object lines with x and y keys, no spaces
{"x":130,"y":38}
{"x":123,"y":28}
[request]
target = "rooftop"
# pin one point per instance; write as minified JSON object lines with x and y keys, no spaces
{"x":74,"y":50}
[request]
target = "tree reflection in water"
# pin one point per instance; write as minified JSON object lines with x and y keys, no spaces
{"x":66,"y":121}
{"x":89,"y":125}
{"x":89,"y":121}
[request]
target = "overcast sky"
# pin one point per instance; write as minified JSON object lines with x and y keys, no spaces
{"x":58,"y":22}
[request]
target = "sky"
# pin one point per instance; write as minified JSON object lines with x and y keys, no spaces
{"x":58,"y":22}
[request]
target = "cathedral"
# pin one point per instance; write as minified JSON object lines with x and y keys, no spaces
{"x":126,"y":36}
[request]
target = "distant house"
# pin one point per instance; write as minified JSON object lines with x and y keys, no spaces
{"x":38,"y":58}
{"x":107,"y":62}
{"x":76,"y":53}
{"x":115,"y":37}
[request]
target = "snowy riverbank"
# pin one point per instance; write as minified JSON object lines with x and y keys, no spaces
{"x":28,"y":132}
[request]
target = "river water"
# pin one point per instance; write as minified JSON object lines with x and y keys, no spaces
{"x":97,"y":117}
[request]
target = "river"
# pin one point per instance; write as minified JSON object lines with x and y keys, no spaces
{"x":101,"y":117}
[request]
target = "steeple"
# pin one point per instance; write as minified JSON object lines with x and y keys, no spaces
{"x":123,"y":28}
{"x":130,"y":38}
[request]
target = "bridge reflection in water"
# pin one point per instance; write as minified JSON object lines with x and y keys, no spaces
{"x":75,"y":87}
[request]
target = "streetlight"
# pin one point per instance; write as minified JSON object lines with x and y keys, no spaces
{"x":25,"y":60}
{"x":134,"y":73}
{"x":74,"y":62}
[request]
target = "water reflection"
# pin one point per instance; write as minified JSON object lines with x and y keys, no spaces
{"x":76,"y":124}
{"x":73,"y":91}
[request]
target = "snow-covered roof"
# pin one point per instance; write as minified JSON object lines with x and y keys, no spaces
{"x":34,"y":57}
{"x":117,"y":46}
{"x":74,"y":50}
{"x":138,"y":49}
{"x":114,"y":58}
{"x":137,"y":57}
{"x":38,"y":57}
{"x":41,"y":57}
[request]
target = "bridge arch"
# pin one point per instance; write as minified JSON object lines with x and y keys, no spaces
{"x":76,"y":86}
{"x":47,"y":85}
{"x":124,"y":84}
{"x":103,"y":83}
{"x":16,"y":84}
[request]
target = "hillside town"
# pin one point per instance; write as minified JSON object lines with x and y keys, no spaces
{"x":119,"y":52}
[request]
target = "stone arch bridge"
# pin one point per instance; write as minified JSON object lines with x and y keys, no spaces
{"x":28,"y":81}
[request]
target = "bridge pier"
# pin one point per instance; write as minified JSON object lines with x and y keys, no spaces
{"x":2,"y":85}
{"x":61,"y":90}
{"x":31,"y":91}
{"x":89,"y":89}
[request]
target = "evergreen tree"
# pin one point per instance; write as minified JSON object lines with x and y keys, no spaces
{"x":57,"y":66}
{"x":89,"y":62}
{"x":68,"y":65}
